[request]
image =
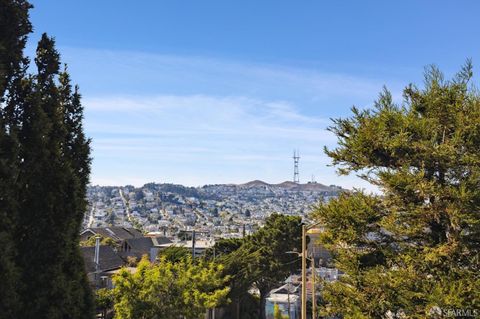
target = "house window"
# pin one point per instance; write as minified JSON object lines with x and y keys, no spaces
{"x":103,"y":281}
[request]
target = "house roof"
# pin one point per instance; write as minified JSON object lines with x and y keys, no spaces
{"x":116,"y":233}
{"x":283,"y":298}
{"x":199,"y":244}
{"x":160,"y":240}
{"x":108,"y":258}
{"x":142,"y":244}
{"x":285,"y":293}
{"x":285,"y":289}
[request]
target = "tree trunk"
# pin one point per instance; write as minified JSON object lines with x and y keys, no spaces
{"x":237,"y":309}
{"x":263,"y":302}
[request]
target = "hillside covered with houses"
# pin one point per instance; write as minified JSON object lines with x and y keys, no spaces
{"x":226,"y":210}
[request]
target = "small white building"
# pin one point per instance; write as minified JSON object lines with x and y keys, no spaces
{"x":287,"y":299}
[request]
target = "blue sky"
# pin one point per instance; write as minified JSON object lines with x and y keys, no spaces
{"x":199,"y":92}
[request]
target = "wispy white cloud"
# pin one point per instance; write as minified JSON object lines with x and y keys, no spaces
{"x":201,"y":117}
{"x":104,"y":71}
{"x":196,"y":120}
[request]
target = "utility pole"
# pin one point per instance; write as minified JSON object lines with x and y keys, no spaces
{"x":193,"y":244}
{"x":289,"y":282}
{"x":305,"y":230}
{"x":213,"y":311}
{"x":96,"y":259}
{"x":304,"y":273}
{"x":314,"y":301}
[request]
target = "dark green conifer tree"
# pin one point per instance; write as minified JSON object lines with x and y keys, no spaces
{"x":53,"y":173}
{"x":413,"y":252}
{"x":14,"y":27}
{"x":259,"y":260}
{"x":77,"y":153}
{"x":44,"y":168}
{"x":8,"y":212}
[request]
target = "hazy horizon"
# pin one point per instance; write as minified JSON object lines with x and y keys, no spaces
{"x":201,"y":185}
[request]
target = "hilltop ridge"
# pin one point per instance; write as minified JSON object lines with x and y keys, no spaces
{"x":287,"y":185}
{"x":310,"y":186}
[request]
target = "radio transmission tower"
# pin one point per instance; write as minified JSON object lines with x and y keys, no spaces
{"x":296,"y":157}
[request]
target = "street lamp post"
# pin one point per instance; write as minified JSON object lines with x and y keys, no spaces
{"x":289,"y":282}
{"x":304,"y":272}
{"x":96,"y":260}
{"x":314,"y":301}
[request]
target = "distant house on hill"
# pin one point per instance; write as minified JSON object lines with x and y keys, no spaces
{"x":129,"y":241}
{"x":118,"y":234}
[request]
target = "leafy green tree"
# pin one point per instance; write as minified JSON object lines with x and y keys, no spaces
{"x":175,"y":254}
{"x":260,"y":260}
{"x":277,"y":314}
{"x":169,"y":290}
{"x":104,"y":301}
{"x":223,"y":247}
{"x":237,"y":260}
{"x":416,"y":246}
{"x":273,"y":265}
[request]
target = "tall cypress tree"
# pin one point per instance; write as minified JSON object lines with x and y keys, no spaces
{"x":54,"y":173}
{"x":14,"y":27}
{"x":77,"y":153}
{"x":44,"y":168}
{"x":8,"y":212}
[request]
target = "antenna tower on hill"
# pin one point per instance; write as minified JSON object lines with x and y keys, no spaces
{"x":296,"y":158}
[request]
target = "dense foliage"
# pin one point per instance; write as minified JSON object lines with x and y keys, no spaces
{"x":175,"y":254}
{"x":14,"y":28}
{"x":259,"y":261}
{"x":277,"y":313}
{"x":179,"y":286}
{"x":169,"y":290}
{"x":416,"y":247}
{"x":44,"y":169}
